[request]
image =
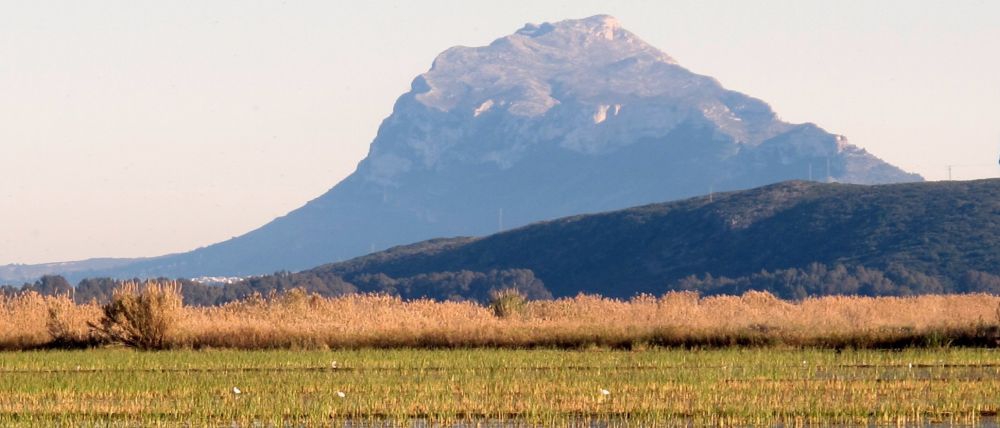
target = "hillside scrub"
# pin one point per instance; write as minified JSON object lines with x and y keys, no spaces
{"x":794,"y":239}
{"x":152,"y":317}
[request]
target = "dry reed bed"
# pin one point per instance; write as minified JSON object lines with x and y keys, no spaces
{"x":298,"y":320}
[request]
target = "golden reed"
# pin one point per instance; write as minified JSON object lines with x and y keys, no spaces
{"x":296,"y":319}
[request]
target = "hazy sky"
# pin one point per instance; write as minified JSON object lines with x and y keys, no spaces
{"x":138,"y":128}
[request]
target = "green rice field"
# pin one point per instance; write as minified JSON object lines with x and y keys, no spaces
{"x":738,"y":386}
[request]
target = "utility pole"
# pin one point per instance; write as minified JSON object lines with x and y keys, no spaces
{"x":500,"y":220}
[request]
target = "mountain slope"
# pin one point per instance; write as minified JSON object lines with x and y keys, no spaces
{"x":556,"y":119}
{"x":21,"y":273}
{"x":944,"y":231}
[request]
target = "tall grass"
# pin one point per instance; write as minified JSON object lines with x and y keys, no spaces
{"x":30,"y":320}
{"x":152,"y":317}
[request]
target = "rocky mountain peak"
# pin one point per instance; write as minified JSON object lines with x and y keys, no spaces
{"x":603,"y":26}
{"x":527,"y":72}
{"x":555,"y":119}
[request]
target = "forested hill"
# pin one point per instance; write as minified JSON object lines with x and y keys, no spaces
{"x":795,"y":238}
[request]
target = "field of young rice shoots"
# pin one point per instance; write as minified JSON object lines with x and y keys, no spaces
{"x":733,"y":386}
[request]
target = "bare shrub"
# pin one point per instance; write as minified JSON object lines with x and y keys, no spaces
{"x":141,"y":317}
{"x":507,"y":303}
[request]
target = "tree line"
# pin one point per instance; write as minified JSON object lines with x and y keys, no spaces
{"x":461,"y":285}
{"x":795,"y":283}
{"x":821,"y":280}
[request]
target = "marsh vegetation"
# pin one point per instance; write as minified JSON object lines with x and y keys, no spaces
{"x":152,"y":316}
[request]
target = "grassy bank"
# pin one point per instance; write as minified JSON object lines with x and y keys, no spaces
{"x":300,"y":321}
{"x":550,"y":387}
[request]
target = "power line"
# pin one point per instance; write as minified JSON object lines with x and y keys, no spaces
{"x":951,"y":167}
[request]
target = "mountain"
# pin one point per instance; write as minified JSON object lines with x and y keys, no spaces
{"x":556,"y":119}
{"x":830,"y":238}
{"x":22,"y":273}
{"x":794,"y":239}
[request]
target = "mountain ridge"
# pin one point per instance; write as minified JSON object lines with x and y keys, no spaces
{"x":942,"y":230}
{"x":794,"y":239}
{"x":555,"y":119}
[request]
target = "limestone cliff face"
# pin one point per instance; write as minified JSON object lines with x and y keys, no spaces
{"x":556,"y":119}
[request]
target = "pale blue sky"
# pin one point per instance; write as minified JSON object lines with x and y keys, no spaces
{"x":138,"y":128}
